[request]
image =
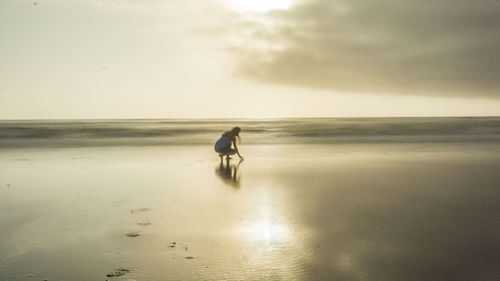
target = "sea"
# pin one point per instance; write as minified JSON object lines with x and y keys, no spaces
{"x":158,"y":132}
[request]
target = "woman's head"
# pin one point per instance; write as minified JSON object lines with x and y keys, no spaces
{"x":236,"y":131}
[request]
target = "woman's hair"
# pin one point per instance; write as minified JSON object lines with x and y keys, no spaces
{"x":234,"y":132}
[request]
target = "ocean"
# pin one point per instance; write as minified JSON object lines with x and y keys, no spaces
{"x":154,"y":132}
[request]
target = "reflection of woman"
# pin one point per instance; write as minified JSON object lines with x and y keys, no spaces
{"x":229,"y":174}
{"x":223,"y":144}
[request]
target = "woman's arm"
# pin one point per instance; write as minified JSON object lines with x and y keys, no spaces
{"x":236,"y":149}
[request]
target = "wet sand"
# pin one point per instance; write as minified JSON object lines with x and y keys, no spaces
{"x":288,"y":212}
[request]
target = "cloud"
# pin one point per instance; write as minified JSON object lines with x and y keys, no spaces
{"x":433,"y":47}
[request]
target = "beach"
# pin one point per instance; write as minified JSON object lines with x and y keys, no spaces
{"x":301,"y":207}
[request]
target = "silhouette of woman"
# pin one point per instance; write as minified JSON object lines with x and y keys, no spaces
{"x":223,"y":144}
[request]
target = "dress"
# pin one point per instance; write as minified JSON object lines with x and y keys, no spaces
{"x":223,"y":144}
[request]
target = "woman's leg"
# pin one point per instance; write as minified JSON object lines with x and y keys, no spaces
{"x":226,"y":152}
{"x":231,"y":152}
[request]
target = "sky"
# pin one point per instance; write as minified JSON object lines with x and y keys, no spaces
{"x":72,"y":59}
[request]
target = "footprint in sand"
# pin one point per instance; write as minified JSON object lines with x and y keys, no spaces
{"x":117,"y":273}
{"x":140,"y":210}
{"x":174,"y":244}
{"x":144,"y":223}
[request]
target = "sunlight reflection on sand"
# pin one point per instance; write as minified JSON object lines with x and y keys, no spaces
{"x":291,"y":213}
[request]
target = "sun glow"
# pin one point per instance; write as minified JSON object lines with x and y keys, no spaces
{"x":261,"y":6}
{"x":266,"y":232}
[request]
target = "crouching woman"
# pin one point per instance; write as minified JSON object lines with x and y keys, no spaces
{"x":224,"y":145}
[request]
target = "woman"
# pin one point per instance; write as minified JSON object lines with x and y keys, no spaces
{"x":223,"y":145}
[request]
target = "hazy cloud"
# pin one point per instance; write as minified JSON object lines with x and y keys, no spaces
{"x":438,"y":47}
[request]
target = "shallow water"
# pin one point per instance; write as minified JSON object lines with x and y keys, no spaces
{"x":291,"y":211}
